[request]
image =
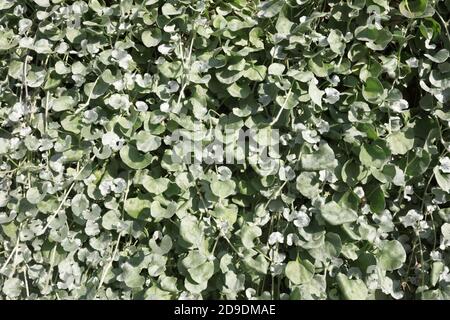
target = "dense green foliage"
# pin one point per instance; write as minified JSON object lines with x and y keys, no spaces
{"x":354,"y":206}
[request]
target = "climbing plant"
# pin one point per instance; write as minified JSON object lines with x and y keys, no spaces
{"x":353,"y":203}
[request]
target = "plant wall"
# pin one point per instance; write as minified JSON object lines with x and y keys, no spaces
{"x":353,"y":205}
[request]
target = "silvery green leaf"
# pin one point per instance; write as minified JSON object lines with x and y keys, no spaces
{"x":375,"y":154}
{"x":151,"y":38}
{"x":373,"y":91}
{"x":131,"y":276}
{"x":202,"y":273}
{"x":141,"y":106}
{"x":392,"y":255}
{"x":439,"y":57}
{"x":133,"y":158}
{"x":12,"y":287}
{"x":155,"y":185}
{"x":308,"y":184}
{"x":270,"y":8}
{"x":411,"y":218}
{"x":310,"y":136}
{"x":165,"y":49}
{"x":164,"y":246}
{"x":42,"y":3}
{"x":122,"y":57}
{"x":63,"y":103}
{"x":276,"y":69}
{"x":79,"y":204}
{"x":258,"y":264}
{"x":190,"y":231}
{"x":110,"y":220}
{"x":34,"y":196}
{"x":300,"y":218}
{"x":112,"y":140}
{"x":223,"y":189}
{"x":401,"y":142}
{"x":169,"y":9}
{"x":43,"y":46}
{"x":331,"y":95}
{"x":315,"y":93}
{"x":239,"y":90}
{"x":224,"y":173}
{"x":118,"y":101}
{"x":286,"y":173}
{"x":399,"y":105}
{"x":158,"y":212}
{"x":6,"y":4}
{"x":445,"y":164}
{"x":299,"y":272}
{"x":336,"y":41}
{"x":255,"y":73}
{"x":335,"y":214}
{"x":443,"y":179}
{"x":3,"y":199}
{"x":352,"y":289}
{"x":92,"y":228}
{"x":228,"y":77}
{"x":138,"y":207}
{"x":321,"y":159}
{"x":147,"y":142}
{"x":275,"y":237}
{"x":248,"y":234}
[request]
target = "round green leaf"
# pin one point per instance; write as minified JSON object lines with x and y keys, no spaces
{"x":133,"y":158}
{"x":223,"y":189}
{"x":335,"y":214}
{"x":373,"y":91}
{"x":392,"y":255}
{"x":152,"y":37}
{"x":352,"y":289}
{"x":299,"y":273}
